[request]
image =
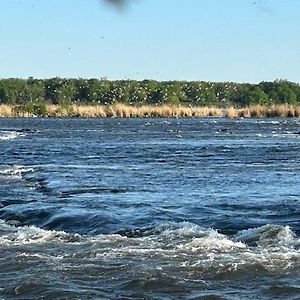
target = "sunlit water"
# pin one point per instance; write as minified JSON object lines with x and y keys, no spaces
{"x":149,"y":208}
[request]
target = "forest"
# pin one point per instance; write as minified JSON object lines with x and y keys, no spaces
{"x":64,"y":92}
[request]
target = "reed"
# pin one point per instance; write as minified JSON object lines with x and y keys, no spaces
{"x":245,"y":112}
{"x":279,"y":111}
{"x":257,"y":111}
{"x":297,"y":111}
{"x":231,"y":112}
{"x":6,"y":110}
{"x":128,"y":111}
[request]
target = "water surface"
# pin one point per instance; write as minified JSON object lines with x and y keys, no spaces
{"x":150,"y":208}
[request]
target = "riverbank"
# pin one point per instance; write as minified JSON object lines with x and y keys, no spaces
{"x":127,"y":111}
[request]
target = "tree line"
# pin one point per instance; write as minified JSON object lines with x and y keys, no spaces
{"x":64,"y":91}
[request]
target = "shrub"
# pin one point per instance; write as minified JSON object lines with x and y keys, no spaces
{"x":31,"y":108}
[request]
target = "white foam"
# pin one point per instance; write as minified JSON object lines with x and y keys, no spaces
{"x":267,"y":122}
{"x":10,"y":135}
{"x":269,"y":236}
{"x":11,"y":235}
{"x":183,"y":245}
{"x":14,"y":170}
{"x":214,"y":242}
{"x":193,"y":247}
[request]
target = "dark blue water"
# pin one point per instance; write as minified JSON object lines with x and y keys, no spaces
{"x":149,"y":208}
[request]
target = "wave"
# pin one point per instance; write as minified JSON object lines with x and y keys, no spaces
{"x":10,"y":135}
{"x":15,"y":171}
{"x":274,"y":122}
{"x":13,"y":236}
{"x":168,"y":258}
{"x":186,"y":245}
{"x":268,"y":235}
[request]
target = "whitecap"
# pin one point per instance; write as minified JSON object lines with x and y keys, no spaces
{"x":10,"y":135}
{"x":269,"y":236}
{"x":267,"y":122}
{"x":181,"y":245}
{"x":16,"y":236}
{"x":14,"y":171}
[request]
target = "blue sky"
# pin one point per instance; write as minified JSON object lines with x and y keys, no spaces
{"x":216,"y":40}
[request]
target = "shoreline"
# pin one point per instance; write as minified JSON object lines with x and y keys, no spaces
{"x":143,"y":111}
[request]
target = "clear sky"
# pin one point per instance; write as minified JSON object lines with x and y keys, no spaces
{"x":216,"y":40}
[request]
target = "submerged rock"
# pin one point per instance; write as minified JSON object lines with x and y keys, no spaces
{"x":14,"y":223}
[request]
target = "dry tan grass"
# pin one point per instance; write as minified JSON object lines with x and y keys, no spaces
{"x":6,"y":110}
{"x":297,"y":111}
{"x":257,"y":111}
{"x":126,"y":111}
{"x":185,"y":111}
{"x":245,"y":112}
{"x":231,"y":112}
{"x":89,"y":111}
{"x":279,"y":111}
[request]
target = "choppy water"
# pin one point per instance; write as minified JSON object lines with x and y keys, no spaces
{"x":149,"y":208}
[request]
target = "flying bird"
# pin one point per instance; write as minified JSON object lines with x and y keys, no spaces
{"x":118,"y":3}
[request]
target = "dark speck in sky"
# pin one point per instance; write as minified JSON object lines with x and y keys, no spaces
{"x":117,"y":3}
